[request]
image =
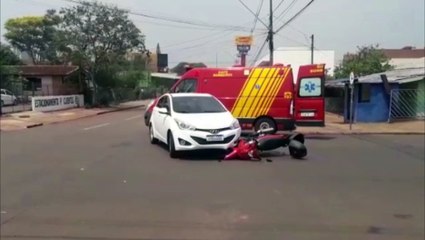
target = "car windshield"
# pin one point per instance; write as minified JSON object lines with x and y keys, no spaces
{"x":196,"y":104}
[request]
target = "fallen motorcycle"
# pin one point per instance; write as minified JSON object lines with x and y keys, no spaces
{"x":250,"y":148}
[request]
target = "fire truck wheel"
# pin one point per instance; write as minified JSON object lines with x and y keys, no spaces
{"x":265,"y":122}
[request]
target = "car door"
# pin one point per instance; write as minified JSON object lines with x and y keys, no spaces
{"x":309,"y":97}
{"x":164,"y":119}
{"x":10,"y":97}
{"x":6,"y":98}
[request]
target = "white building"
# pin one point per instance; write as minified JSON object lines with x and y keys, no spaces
{"x":297,"y":56}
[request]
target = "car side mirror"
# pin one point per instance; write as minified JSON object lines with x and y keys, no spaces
{"x":163,"y":110}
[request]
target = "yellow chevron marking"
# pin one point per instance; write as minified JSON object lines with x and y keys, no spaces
{"x":260,"y":96}
{"x":274,"y":95}
{"x":267,"y":91}
{"x":246,"y":90}
{"x":252,"y":98}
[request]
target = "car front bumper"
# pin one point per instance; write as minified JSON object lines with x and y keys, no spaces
{"x":197,"y":140}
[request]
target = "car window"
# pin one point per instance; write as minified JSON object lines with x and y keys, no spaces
{"x":3,"y":92}
{"x":197,"y":104}
{"x":8,"y":92}
{"x":163,"y":102}
{"x":187,"y":86}
{"x":310,"y":87}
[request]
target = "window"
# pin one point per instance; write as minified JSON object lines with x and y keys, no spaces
{"x":364,"y":92}
{"x":310,"y":87}
{"x":3,"y":91}
{"x":186,"y":86}
{"x":162,"y":102}
{"x":197,"y":105}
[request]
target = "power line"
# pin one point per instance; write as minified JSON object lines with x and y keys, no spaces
{"x":295,"y":16}
{"x":252,"y":13}
{"x":277,"y":7}
{"x":286,"y":9}
{"x":175,"y":20}
{"x":256,"y":15}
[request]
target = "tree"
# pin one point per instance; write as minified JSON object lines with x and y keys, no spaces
{"x":34,"y":35}
{"x":367,"y":60}
{"x":7,"y":56}
{"x":98,"y":34}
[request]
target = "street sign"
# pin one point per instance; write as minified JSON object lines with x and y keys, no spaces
{"x":351,"y":78}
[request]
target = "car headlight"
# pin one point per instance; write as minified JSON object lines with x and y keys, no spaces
{"x":184,"y":126}
{"x":235,"y":124}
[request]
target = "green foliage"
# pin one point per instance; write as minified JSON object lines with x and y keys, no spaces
{"x":367,"y":60}
{"x":7,"y":56}
{"x":34,"y":35}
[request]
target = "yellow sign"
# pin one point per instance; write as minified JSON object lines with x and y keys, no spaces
{"x":244,"y":40}
{"x":222,"y":74}
{"x":316,"y":70}
{"x":287,"y":95}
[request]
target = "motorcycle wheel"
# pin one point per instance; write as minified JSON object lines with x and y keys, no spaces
{"x":297,"y":150}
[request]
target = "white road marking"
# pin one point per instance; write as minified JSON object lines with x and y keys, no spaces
{"x":134,"y":117}
{"x":97,"y":126}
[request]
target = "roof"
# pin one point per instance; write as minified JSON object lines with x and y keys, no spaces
{"x":44,"y":70}
{"x":396,"y":76}
{"x":399,"y":76}
{"x":404,"y":53}
{"x":165,"y":75}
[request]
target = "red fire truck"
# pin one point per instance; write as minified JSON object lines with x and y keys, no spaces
{"x":261,"y":97}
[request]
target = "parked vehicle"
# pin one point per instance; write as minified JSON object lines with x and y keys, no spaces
{"x":8,"y":98}
{"x":261,"y":97}
{"x":250,"y":148}
{"x":192,"y":121}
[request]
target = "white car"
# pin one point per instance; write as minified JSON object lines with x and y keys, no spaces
{"x":7,"y":98}
{"x":192,"y":121}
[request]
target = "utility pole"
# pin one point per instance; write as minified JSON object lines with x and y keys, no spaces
{"x":312,"y":48}
{"x":270,"y":37}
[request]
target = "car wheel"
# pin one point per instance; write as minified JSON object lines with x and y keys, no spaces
{"x":171,"y":147}
{"x":264,"y":123}
{"x":152,"y":135}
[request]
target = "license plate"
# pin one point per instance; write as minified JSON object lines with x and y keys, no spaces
{"x":307,"y":114}
{"x":215,"y":138}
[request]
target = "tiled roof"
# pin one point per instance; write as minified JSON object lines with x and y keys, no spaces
{"x":404,"y":53}
{"x":44,"y":70}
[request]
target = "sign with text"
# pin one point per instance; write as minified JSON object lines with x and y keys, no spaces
{"x":53,"y":103}
{"x":243,"y":40}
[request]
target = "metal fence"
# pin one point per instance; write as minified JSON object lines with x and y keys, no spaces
{"x":407,"y":104}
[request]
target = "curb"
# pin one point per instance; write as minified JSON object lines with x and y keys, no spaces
{"x":34,"y":125}
{"x":121,"y":109}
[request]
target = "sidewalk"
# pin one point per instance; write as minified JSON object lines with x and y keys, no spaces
{"x":29,"y":119}
{"x":335,"y":125}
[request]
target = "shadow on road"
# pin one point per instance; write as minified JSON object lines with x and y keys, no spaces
{"x":281,"y":154}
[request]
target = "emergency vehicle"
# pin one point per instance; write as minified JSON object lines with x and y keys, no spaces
{"x":261,"y":97}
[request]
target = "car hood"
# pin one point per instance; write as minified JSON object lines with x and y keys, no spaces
{"x":206,"y":120}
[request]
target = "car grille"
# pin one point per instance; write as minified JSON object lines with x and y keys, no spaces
{"x":204,"y":141}
{"x":213,"y":131}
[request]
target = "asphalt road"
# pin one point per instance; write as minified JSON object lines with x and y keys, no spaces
{"x":99,"y":179}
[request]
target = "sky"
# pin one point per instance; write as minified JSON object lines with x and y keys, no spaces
{"x":339,"y":25}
